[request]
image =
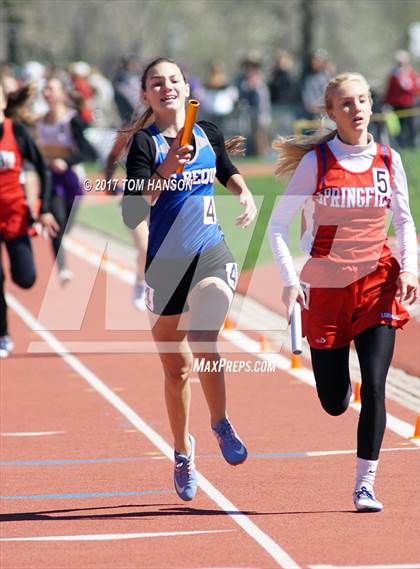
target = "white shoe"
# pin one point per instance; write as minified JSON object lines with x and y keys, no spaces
{"x":139,"y":294}
{"x":365,"y":500}
{"x":6,"y":346}
{"x":65,"y":275}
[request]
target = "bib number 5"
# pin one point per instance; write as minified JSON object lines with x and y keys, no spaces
{"x":381,"y":180}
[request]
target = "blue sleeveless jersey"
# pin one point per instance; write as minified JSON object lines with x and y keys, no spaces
{"x":183,"y":219}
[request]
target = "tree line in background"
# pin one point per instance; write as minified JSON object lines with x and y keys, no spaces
{"x":359,"y":34}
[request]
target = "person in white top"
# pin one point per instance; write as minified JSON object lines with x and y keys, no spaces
{"x":60,"y":136}
{"x":352,"y":287}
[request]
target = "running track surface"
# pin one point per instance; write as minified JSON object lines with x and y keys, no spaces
{"x":74,"y":465}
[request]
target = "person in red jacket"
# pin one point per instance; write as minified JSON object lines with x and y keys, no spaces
{"x":17,"y":145}
{"x":402,"y":92}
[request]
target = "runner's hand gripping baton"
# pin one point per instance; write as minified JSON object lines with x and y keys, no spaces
{"x":296,"y":329}
{"x":190,"y":117}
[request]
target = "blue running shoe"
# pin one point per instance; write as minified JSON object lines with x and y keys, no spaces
{"x":139,"y":294}
{"x":6,"y":346}
{"x":185,"y":476}
{"x":365,"y":500}
{"x":233,"y":449}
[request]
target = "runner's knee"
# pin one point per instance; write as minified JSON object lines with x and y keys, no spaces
{"x":373,"y":391}
{"x":177,"y":370}
{"x":26,"y":280}
{"x":335,"y":409}
{"x":335,"y":403}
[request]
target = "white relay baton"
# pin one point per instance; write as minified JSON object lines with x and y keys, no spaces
{"x":296,"y":329}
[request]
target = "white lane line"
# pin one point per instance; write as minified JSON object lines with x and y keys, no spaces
{"x":33,"y":434}
{"x":401,"y":428}
{"x":334,"y":452}
{"x":403,"y":566}
{"x":113,"y":536}
{"x":265,"y":541}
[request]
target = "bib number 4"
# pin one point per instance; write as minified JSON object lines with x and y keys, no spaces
{"x":209,"y":210}
{"x":232,"y":274}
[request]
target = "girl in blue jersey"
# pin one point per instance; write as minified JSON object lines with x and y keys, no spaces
{"x":190,"y":273}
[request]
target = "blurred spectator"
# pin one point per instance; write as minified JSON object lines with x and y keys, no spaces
{"x":281,"y":85}
{"x":127,"y":87}
{"x":284,"y":98}
{"x":35,"y":72}
{"x":378,"y":128}
{"x":255,"y":96}
{"x":219,"y":97}
{"x":216,"y":78}
{"x":79,"y":73}
{"x":8,"y":79}
{"x":314,"y":81}
{"x":401,"y":93}
{"x":196,"y":87}
{"x":103,"y":100}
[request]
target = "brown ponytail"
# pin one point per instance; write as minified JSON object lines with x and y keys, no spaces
{"x":235,"y":146}
{"x":17,"y":102}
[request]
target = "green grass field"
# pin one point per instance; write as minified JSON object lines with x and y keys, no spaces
{"x":249,"y":246}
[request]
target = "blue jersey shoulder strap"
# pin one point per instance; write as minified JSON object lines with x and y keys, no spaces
{"x":161,"y":143}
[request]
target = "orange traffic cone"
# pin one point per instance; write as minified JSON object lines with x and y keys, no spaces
{"x":416,"y":429}
{"x":295,"y":361}
{"x":265,"y":345}
{"x":357,"y":398}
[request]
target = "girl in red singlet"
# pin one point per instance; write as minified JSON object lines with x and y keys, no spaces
{"x":17,"y":145}
{"x":352,"y":287}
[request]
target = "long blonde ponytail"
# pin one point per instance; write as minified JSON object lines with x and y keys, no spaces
{"x":292,"y":149}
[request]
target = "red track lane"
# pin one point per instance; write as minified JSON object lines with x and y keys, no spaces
{"x":303,"y":503}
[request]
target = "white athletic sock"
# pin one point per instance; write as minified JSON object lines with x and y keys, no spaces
{"x":365,"y":473}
